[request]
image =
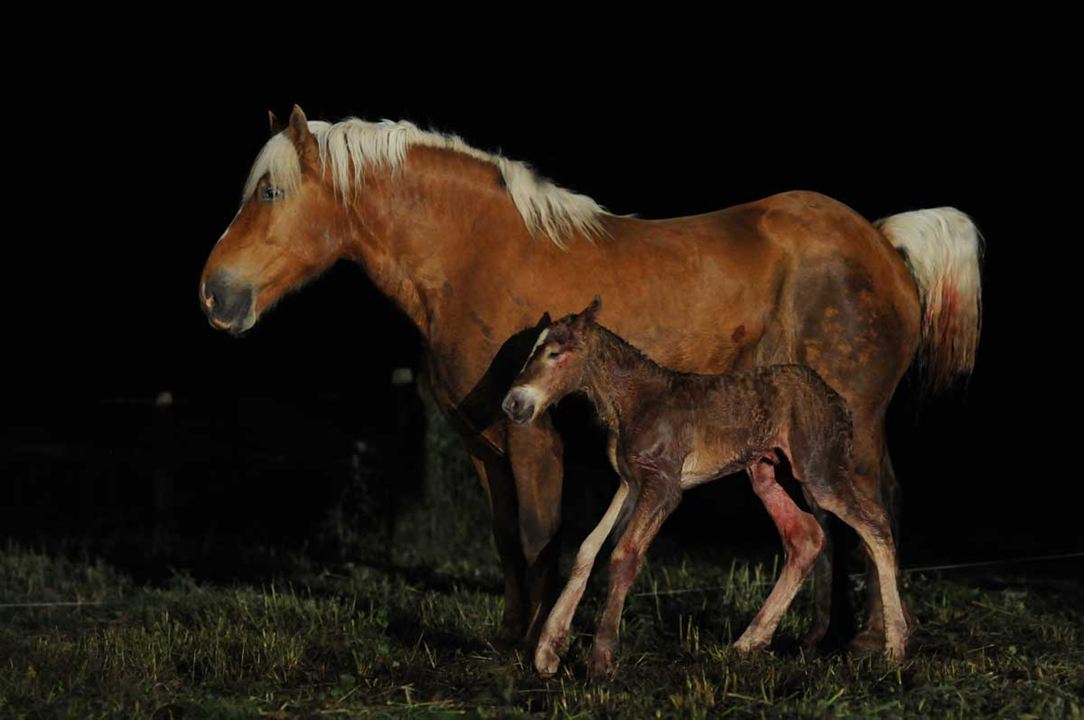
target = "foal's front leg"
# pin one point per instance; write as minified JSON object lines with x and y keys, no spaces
{"x":658,"y":497}
{"x":554,"y":640}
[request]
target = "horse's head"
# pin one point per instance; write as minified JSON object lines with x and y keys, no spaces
{"x":555,"y":367}
{"x":283,"y":235}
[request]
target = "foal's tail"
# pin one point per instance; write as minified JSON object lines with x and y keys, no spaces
{"x":943,"y":249}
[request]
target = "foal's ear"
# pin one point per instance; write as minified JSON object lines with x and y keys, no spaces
{"x":591,"y":311}
{"x":273,"y":123}
{"x":543,"y":322}
{"x":300,"y":135}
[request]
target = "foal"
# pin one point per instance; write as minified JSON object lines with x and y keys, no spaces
{"x":670,"y":431}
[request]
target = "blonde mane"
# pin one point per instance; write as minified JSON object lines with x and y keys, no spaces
{"x":350,"y":147}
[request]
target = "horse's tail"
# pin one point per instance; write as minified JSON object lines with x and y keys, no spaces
{"x":943,"y":249}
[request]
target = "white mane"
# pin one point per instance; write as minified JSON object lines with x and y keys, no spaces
{"x":352,"y":146}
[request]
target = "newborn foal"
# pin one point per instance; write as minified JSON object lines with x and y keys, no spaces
{"x":670,"y":431}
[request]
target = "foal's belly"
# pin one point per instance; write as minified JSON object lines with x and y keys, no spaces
{"x":716,"y":451}
{"x":702,"y":466}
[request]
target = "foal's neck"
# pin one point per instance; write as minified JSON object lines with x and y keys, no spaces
{"x":617,"y":376}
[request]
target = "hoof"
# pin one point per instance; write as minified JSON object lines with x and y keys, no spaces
{"x":601,"y":664}
{"x":546,"y":660}
{"x":827,"y":639}
{"x":749,"y":645}
{"x":510,"y":635}
{"x":895,"y":653}
{"x":870,"y":641}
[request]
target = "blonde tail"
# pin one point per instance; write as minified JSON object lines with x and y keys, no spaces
{"x":944,"y":251}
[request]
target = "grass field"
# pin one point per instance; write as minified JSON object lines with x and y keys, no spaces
{"x":409,"y":633}
{"x":412,"y":638}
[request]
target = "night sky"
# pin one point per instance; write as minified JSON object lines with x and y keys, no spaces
{"x":133,"y":174}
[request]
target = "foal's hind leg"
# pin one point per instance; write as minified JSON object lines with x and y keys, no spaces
{"x":803,"y":541}
{"x":554,"y":640}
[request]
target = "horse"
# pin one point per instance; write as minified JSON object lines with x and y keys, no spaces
{"x":472,"y":246}
{"x":669,"y":431}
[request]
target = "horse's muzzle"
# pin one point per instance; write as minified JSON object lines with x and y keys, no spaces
{"x":518,"y":405}
{"x":228,"y":305}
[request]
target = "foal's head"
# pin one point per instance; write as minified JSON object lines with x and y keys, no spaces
{"x":281,"y":237}
{"x":555,"y":367}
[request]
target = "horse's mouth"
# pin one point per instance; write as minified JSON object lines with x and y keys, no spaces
{"x":236,"y":329}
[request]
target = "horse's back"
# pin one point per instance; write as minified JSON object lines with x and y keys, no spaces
{"x":766,"y":238}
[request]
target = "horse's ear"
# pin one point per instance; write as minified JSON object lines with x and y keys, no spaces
{"x":300,"y":135}
{"x":543,"y":322}
{"x":273,"y":123}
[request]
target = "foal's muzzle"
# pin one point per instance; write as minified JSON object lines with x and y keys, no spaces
{"x":519,"y":405}
{"x":228,"y":305}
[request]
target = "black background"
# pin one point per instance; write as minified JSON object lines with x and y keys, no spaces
{"x":130,"y":164}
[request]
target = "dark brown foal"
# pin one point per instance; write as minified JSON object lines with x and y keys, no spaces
{"x":670,"y":431}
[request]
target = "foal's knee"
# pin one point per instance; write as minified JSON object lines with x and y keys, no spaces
{"x":806,"y":541}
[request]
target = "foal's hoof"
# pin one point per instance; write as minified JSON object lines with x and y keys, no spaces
{"x":601,"y":664}
{"x":895,"y":654}
{"x":546,"y":660}
{"x":746,"y":645}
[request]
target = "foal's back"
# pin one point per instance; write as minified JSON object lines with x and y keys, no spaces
{"x":729,"y":421}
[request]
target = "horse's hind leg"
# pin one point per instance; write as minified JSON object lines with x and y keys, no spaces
{"x":554,"y":640}
{"x":803,"y":541}
{"x":873,"y":526}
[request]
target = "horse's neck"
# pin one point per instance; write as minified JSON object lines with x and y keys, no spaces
{"x":620,"y":378}
{"x":419,"y":227}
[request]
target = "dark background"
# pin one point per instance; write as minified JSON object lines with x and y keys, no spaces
{"x":131,"y":164}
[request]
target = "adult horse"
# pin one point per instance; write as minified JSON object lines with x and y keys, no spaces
{"x":474,"y":247}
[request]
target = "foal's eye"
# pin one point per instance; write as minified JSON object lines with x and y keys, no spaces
{"x":271,"y":193}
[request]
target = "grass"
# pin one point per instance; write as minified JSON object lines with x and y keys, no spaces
{"x":387,"y":642}
{"x":409,"y":634}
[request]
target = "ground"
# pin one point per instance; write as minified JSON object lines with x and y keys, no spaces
{"x":409,"y":627}
{"x":412,"y":637}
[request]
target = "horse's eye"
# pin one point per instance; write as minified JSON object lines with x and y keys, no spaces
{"x":553,"y":354}
{"x":270,"y":193}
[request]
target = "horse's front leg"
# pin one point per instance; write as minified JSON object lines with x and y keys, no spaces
{"x":496,"y":476}
{"x":554,"y":640}
{"x":658,"y":497}
{"x":537,"y":457}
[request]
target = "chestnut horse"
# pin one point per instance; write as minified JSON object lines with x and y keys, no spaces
{"x":473,"y":247}
{"x":669,"y":431}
